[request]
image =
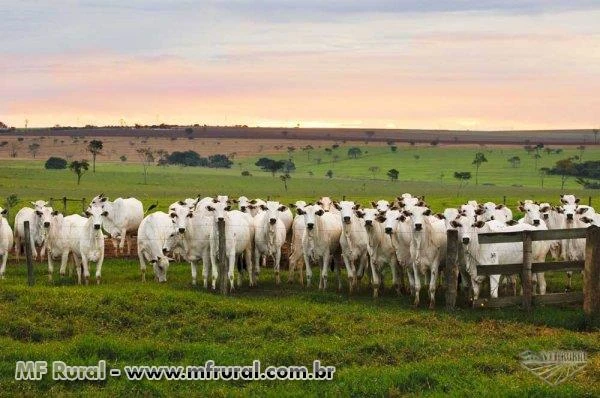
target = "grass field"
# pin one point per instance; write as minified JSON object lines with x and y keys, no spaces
{"x":380,"y":348}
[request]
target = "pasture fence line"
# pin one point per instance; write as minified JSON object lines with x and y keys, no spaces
{"x":64,"y":201}
{"x":28,"y":256}
{"x":590,"y":297}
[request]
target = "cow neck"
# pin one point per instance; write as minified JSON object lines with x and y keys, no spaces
{"x":347,"y":232}
{"x":93,"y":234}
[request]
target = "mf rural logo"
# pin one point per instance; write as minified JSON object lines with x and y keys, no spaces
{"x":553,"y":367}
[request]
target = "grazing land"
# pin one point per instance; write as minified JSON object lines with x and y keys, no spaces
{"x":380,"y":347}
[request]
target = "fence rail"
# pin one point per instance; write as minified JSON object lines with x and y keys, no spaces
{"x":590,"y":296}
{"x":64,"y":200}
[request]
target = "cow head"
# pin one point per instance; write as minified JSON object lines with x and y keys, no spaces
{"x":96,"y":214}
{"x":160,"y":264}
{"x":273,"y":210}
{"x":310,"y":213}
{"x":418,"y":215}
{"x":381,"y":205}
{"x":532,"y":212}
{"x":180,"y":214}
{"x":219,"y":210}
{"x":346,"y":209}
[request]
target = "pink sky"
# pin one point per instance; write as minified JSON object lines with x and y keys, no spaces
{"x":171,"y":62}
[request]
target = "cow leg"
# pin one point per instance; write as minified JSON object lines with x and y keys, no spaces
{"x":569,"y":276}
{"x":410,"y":273}
{"x":277,"y":265}
{"x":17,"y":247}
{"x":300,"y":270}
{"x":541,"y":278}
{"x":324,"y":270}
{"x":249,"y":265}
{"x":375,"y":278}
{"x":50,"y":267}
{"x":86,"y":268}
{"x":291,"y":267}
{"x":417,"y":281}
{"x":43,"y":251}
{"x":397,"y":279}
{"x":338,"y":272}
{"x":142,"y":263}
{"x":230,"y":273}
{"x":3,"y":266}
{"x":122,"y":240}
{"x":205,"y":267}
{"x":494,"y":285}
{"x":351,"y":272}
{"x":433,"y":284}
{"x":251,"y":274}
{"x":308,"y":270}
{"x":194,"y":270}
{"x":214,"y":265}
{"x":238,"y":261}
{"x":63,"y":263}
{"x":99,"y":269}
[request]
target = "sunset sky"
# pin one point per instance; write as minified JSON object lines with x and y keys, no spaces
{"x":486,"y":64}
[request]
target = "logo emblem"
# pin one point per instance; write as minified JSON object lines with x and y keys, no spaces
{"x":553,"y":367}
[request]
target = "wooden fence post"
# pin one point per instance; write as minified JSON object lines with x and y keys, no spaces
{"x":591,"y":274}
{"x":504,"y":200}
{"x":222,"y":258}
{"x":343,"y":197}
{"x":451,"y":270}
{"x":526,"y":272}
{"x":30,"y":276}
{"x":590,"y":201}
{"x":83,"y":205}
{"x":64,"y":200}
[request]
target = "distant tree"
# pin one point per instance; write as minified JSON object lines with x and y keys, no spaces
{"x":285,"y":178}
{"x":10,"y":201}
{"x":354,"y":152}
{"x":393,"y":174}
{"x":463,"y":177}
{"x":147,"y":158}
{"x":529,"y":149}
{"x":163,"y":157}
{"x":14,"y":147}
{"x":417,"y":157}
{"x":336,"y":157}
{"x":3,"y":126}
{"x":55,"y":163}
{"x":290,"y":150}
{"x":270,"y":165}
{"x":514,"y":161}
{"x":289,"y":166}
{"x":79,"y":167}
{"x":390,"y":142}
{"x":335,"y":146}
{"x":411,"y":142}
{"x":564,"y":168}
{"x":548,"y":150}
{"x":219,"y":161}
{"x":34,"y":148}
{"x":186,"y":158}
{"x":393,"y":148}
{"x":536,"y":157}
{"x":478,"y":161}
{"x":246,"y":173}
{"x":558,"y":151}
{"x":543,"y":173}
{"x":329,"y":173}
{"x":189,"y":131}
{"x":318,"y":160}
{"x":581,"y":149}
{"x":95,"y":148}
{"x":307,"y":149}
{"x":123,"y":158}
{"x":435,"y":142}
{"x":374,"y":170}
{"x":328,"y":151}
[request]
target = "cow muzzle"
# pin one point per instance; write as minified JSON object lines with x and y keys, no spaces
{"x":466,"y":241}
{"x":165,"y":250}
{"x":570,"y":217}
{"x":347,"y":220}
{"x":96,"y":226}
{"x":272,"y":221}
{"x":181,"y":230}
{"x":388,"y":230}
{"x":220,"y":218}
{"x":418,"y":227}
{"x":243,"y":209}
{"x":46,"y":224}
{"x":369,"y":223}
{"x":310,"y":225}
{"x":536,"y":222}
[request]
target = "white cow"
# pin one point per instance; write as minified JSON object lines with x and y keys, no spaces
{"x":532,"y":216}
{"x":408,"y":202}
{"x":427,"y":249}
{"x":354,"y":242}
{"x":35,"y":232}
{"x":123,"y":216}
{"x":569,"y":199}
{"x":321,"y":242}
{"x":296,"y":258}
{"x":154,"y":242}
{"x":269,"y":236}
{"x":86,"y":241}
{"x":573,"y":249}
{"x":381,"y":205}
{"x":57,"y":240}
{"x":6,"y":240}
{"x":239,"y":237}
{"x":246,"y":205}
{"x":380,"y":248}
{"x":492,"y":211}
{"x":400,"y":234}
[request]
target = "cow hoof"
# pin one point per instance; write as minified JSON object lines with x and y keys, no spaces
{"x":431,"y":306}
{"x":87,"y":281}
{"x":376,"y":293}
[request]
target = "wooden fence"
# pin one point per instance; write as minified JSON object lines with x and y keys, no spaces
{"x":590,"y":297}
{"x":64,"y":201}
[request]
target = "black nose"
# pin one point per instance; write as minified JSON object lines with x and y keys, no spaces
{"x":569,"y":216}
{"x":346,"y":219}
{"x":536,"y":222}
{"x":181,"y":230}
{"x":418,"y":227}
{"x":310,"y":225}
{"x":546,"y":216}
{"x":465,"y":241}
{"x":243,"y":209}
{"x":165,"y":251}
{"x":272,"y":221}
{"x":220,"y":218}
{"x":369,"y":222}
{"x":388,"y":230}
{"x":46,"y":224}
{"x":96,"y":226}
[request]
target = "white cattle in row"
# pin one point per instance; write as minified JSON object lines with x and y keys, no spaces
{"x":321,"y":242}
{"x":400,"y":234}
{"x":569,"y":199}
{"x":573,"y":249}
{"x":381,"y":205}
{"x":192,"y":239}
{"x":154,"y":239}
{"x":246,"y":205}
{"x":6,"y":240}
{"x":380,"y":249}
{"x":408,"y":202}
{"x":533,"y":216}
{"x":239,"y":238}
{"x":354,"y":242}
{"x":123,"y":217}
{"x":492,"y":211}
{"x":35,"y":231}
{"x":56,"y":238}
{"x":296,"y":257}
{"x":269,"y":236}
{"x":427,"y":249}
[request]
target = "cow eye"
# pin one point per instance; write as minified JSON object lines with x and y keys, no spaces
{"x":173,"y":215}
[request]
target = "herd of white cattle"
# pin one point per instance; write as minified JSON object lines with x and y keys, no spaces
{"x":403,"y":234}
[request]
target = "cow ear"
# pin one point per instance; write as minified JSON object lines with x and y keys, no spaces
{"x":562,"y":200}
{"x":282,"y":208}
{"x":337,"y":205}
{"x":87,"y":213}
{"x":190,"y":214}
{"x":427,"y":212}
{"x":402,"y":218}
{"x":293,"y":206}
{"x":319,"y":203}
{"x":263,"y":207}
{"x":359,"y":214}
{"x":560,"y":210}
{"x":33,"y":203}
{"x":511,"y":222}
{"x":210,"y":208}
{"x":215,"y":200}
{"x":104,"y":213}
{"x":152,"y":261}
{"x":455,"y":224}
{"x":381,"y":219}
{"x":576,"y":200}
{"x":103,"y":199}
{"x":407,"y":213}
{"x":236,"y":201}
{"x":544,"y":209}
{"x":479,"y":211}
{"x":4,"y":211}
{"x":319,"y":212}
{"x":521,"y":208}
{"x":300,"y":211}
{"x":421,"y":203}
{"x":479,"y":224}
{"x":440,"y":216}
{"x":357,"y":206}
{"x":181,"y":202}
{"x":498,"y":207}
{"x":586,"y":220}
{"x":39,"y":213}
{"x":582,"y":210}
{"x":373,"y":204}
{"x":227,"y":208}
{"x":394,"y":208}
{"x":253,"y":201}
